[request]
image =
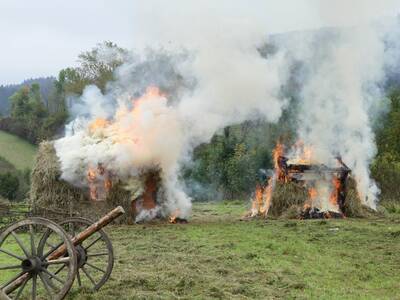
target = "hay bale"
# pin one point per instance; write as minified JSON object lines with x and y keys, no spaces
{"x":287,"y":196}
{"x":353,"y":207}
{"x":288,"y":200}
{"x":54,"y":198}
{"x":293,"y":212}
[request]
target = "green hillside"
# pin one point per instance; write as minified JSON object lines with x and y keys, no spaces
{"x":17,"y":151}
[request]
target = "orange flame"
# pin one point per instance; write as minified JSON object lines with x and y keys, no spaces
{"x":303,"y":153}
{"x":91,"y":177}
{"x":312,"y":193}
{"x":312,"y":196}
{"x":97,"y":124}
{"x":276,"y":153}
{"x":107,"y":184}
{"x":263,"y":194}
{"x":152,"y":92}
{"x":99,"y":182}
{"x":174,"y":216}
{"x":268,"y":196}
{"x":295,"y":169}
{"x":336,"y":190}
{"x":257,"y":204}
{"x":121,"y":132}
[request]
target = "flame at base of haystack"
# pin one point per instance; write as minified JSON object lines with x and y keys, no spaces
{"x":320,"y":189}
{"x":146,"y":189}
{"x":99,"y":181}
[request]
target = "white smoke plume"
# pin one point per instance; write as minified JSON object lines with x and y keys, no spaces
{"x":336,"y":100}
{"x":164,"y":103}
{"x":219,"y":80}
{"x":343,"y":72}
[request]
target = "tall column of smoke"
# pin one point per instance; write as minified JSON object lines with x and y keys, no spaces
{"x":336,"y":102}
{"x":340,"y":85}
{"x":223,"y":81}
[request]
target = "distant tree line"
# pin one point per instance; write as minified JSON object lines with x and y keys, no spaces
{"x":37,"y":115}
{"x":6,"y":91}
{"x":31,"y":117}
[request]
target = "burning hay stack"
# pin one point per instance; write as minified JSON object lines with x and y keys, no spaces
{"x":119,"y":160}
{"x":53,"y":197}
{"x":302,"y":188}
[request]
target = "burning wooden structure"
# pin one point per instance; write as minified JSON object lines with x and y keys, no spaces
{"x":309,"y":175}
{"x":146,"y":202}
{"x":315,"y":190}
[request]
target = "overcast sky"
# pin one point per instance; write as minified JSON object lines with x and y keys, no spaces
{"x":38,"y":38}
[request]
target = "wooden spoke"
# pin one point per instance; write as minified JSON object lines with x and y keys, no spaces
{"x":21,"y":288}
{"x":44,"y":239}
{"x":10,"y":267}
{"x":32,"y":238}
{"x":78,"y":276}
{"x":88,"y":275}
{"x":96,"y":268}
{"x":36,"y":246}
{"x":59,"y":261}
{"x":52,"y":250}
{"x":103,"y":250}
{"x":53,"y":275}
{"x":73,"y":228}
{"x":21,"y":245}
{"x":94,"y":242}
{"x":50,"y":282}
{"x":46,"y":285}
{"x":34,"y":288}
{"x":97,"y":254}
{"x":59,"y":270}
{"x":11,"y":254}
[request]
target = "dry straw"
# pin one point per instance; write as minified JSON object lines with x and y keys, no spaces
{"x":54,"y":198}
{"x":288,"y":200}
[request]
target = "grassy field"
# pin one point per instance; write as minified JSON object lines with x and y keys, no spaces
{"x":217,"y":256}
{"x":17,"y":151}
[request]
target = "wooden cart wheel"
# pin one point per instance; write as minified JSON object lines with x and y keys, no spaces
{"x":26,"y":264}
{"x":95,"y":255}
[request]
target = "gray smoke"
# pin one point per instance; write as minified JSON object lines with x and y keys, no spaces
{"x":220,"y":79}
{"x":341,"y":75}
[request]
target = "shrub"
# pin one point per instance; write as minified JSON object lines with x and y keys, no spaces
{"x":9,"y":185}
{"x":386,"y":172}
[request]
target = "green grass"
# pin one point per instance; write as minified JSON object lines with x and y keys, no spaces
{"x":6,"y":166}
{"x":217,"y":256}
{"x":17,"y":151}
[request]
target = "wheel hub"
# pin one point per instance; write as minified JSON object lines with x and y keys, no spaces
{"x":32,"y":264}
{"x":81,"y":255}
